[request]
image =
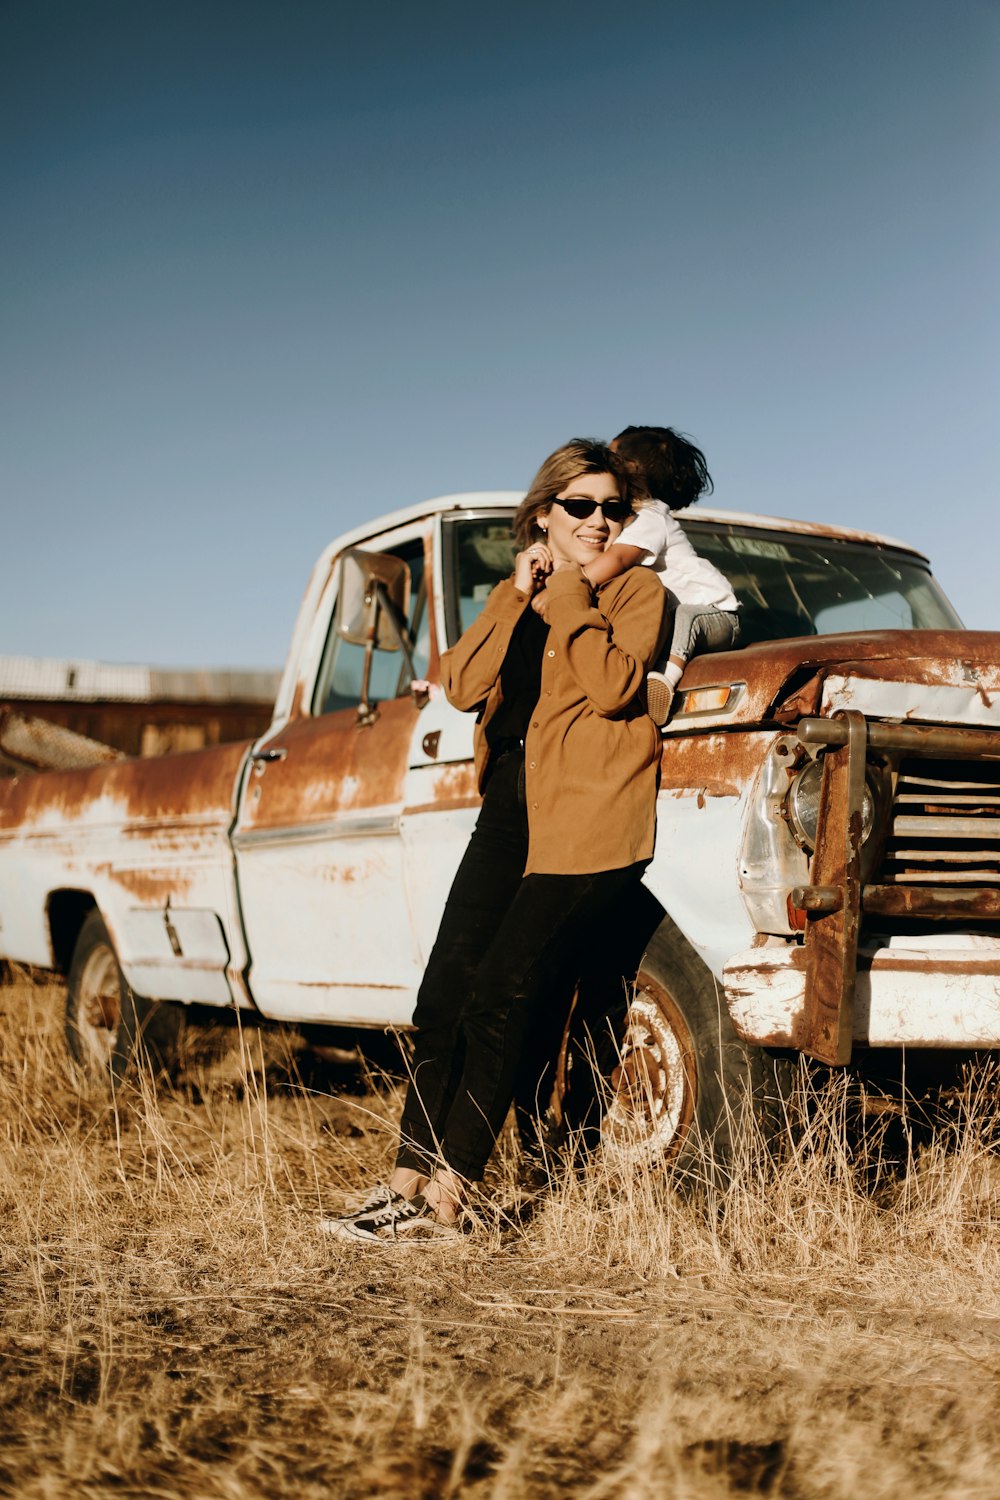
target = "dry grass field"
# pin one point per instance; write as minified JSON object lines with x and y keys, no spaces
{"x":173,"y":1326}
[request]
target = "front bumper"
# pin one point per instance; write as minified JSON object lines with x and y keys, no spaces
{"x":832,"y":1012}
{"x":938,"y":992}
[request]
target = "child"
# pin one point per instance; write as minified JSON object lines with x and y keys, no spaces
{"x":706,"y":616}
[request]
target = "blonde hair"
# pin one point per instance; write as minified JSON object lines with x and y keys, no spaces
{"x":578,"y":456}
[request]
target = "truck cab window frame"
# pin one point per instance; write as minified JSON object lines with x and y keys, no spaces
{"x":338,"y":681}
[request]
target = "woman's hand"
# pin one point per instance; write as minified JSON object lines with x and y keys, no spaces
{"x":532,"y":567}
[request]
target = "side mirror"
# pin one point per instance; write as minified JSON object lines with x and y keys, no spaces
{"x":373,"y":604}
{"x":373,"y":598}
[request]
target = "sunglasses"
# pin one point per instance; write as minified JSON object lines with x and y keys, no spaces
{"x":613,"y":510}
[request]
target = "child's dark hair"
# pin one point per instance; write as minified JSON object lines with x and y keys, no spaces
{"x":675,"y":470}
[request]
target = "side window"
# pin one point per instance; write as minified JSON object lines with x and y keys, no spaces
{"x":340,"y":675}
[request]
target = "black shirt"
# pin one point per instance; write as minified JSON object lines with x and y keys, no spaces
{"x":520,"y":679}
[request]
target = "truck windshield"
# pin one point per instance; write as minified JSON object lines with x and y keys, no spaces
{"x":787,"y":585}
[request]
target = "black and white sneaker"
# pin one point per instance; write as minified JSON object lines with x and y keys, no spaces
{"x":392,"y":1220}
{"x":366,"y":1203}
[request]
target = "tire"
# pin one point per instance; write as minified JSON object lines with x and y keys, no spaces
{"x":683,"y":1087}
{"x":108,"y":1027}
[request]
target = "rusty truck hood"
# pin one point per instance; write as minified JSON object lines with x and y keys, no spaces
{"x":936,"y":675}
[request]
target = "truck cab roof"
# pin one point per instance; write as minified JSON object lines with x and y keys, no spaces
{"x":474,"y":500}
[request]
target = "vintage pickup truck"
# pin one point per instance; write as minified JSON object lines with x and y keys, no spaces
{"x":827,"y":869}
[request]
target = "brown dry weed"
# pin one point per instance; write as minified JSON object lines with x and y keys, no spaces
{"x":174,"y":1326}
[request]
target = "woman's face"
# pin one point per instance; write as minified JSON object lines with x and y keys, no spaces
{"x":579,"y":541}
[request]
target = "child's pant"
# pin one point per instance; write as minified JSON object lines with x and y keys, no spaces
{"x":702,"y":627}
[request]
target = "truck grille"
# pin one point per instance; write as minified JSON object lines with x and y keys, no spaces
{"x":945,"y":825}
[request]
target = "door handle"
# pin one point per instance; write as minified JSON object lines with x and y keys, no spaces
{"x":430,"y":743}
{"x":275,"y":752}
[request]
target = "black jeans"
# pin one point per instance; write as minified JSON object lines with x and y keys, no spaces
{"x":507,"y":956}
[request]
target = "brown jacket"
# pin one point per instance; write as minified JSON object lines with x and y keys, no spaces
{"x":592,"y":753}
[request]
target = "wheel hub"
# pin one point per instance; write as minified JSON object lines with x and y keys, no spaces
{"x":653,"y":1101}
{"x":99,"y":1008}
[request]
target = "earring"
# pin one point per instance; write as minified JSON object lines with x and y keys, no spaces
{"x":541,"y":527}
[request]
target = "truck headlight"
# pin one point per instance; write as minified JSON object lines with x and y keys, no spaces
{"x":802,"y":805}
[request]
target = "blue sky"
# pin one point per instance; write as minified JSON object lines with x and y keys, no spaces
{"x":269,"y":270}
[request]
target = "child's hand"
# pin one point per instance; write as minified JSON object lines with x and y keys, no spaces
{"x":540,"y":601}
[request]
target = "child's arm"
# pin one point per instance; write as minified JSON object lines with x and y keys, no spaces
{"x":613,"y":560}
{"x":617,"y":558}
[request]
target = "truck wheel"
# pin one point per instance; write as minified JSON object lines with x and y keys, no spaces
{"x":683,"y":1079}
{"x":106,"y":1024}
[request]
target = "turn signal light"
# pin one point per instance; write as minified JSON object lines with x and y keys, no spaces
{"x":709,"y":700}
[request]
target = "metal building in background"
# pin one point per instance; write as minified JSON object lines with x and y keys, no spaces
{"x":137,"y":710}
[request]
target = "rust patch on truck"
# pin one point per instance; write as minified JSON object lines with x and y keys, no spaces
{"x":831,"y":944}
{"x":767,"y":978}
{"x":329,"y":765}
{"x":446,"y":804}
{"x":885,"y":961}
{"x":939,"y":670}
{"x":784,"y":678}
{"x":182,"y":786}
{"x":58,"y":795}
{"x":298,"y":695}
{"x":734,"y":760}
{"x":186,"y":786}
{"x":767,"y":1010}
{"x":456,"y":783}
{"x":977,"y":904}
{"x":336,"y":874}
{"x":148,"y":888}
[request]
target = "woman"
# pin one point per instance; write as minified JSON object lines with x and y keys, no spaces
{"x":567,"y":762}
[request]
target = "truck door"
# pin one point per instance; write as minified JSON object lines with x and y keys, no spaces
{"x":440,"y":811}
{"x":474,"y":550}
{"x":318,"y":849}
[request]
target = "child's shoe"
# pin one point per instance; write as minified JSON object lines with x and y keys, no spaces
{"x":659,"y":697}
